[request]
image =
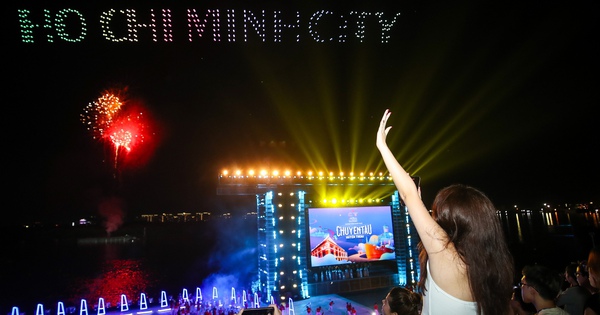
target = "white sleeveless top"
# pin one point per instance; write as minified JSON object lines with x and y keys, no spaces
{"x":438,"y":302}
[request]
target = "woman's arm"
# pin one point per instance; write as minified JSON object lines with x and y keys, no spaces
{"x":446,"y":268}
{"x":429,"y":231}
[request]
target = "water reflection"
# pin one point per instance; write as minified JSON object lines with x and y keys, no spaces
{"x":117,"y":277}
{"x":172,"y":258}
{"x":593,"y":217}
{"x":548,"y":236}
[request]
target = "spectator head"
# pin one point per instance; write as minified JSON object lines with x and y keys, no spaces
{"x":545,"y":281}
{"x":582,"y":273}
{"x":571,"y":273}
{"x":401,"y":301}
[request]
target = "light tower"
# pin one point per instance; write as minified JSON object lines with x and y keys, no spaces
{"x":284,"y":268}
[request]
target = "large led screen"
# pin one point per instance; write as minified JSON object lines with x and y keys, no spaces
{"x":349,"y":235}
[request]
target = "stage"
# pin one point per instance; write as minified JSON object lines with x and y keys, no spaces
{"x":363,"y":303}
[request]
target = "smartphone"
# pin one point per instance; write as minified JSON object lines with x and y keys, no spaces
{"x":259,"y":311}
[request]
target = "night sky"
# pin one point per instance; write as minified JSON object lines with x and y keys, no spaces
{"x":499,"y":95}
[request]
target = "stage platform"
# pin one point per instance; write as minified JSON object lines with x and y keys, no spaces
{"x":362,"y":301}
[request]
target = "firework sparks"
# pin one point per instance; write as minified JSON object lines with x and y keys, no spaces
{"x":126,"y":131}
{"x":98,"y":115}
{"x":116,"y":122}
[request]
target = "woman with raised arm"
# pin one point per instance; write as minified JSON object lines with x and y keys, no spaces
{"x":466,"y":267}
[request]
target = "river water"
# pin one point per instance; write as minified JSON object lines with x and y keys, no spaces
{"x":48,"y":266}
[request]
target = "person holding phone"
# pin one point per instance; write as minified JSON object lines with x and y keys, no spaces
{"x":466,"y":267}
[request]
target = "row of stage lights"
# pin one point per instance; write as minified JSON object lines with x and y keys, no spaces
{"x":348,"y":202}
{"x":299,"y":175}
{"x":102,"y":307}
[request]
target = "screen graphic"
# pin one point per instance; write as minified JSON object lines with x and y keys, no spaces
{"x":348,"y":235}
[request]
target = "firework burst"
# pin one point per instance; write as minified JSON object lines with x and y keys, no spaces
{"x":126,"y":132}
{"x":116,"y":122}
{"x":99,"y":114}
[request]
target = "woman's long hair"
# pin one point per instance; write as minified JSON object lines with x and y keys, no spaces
{"x":473,"y":227}
{"x":593,"y":267}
